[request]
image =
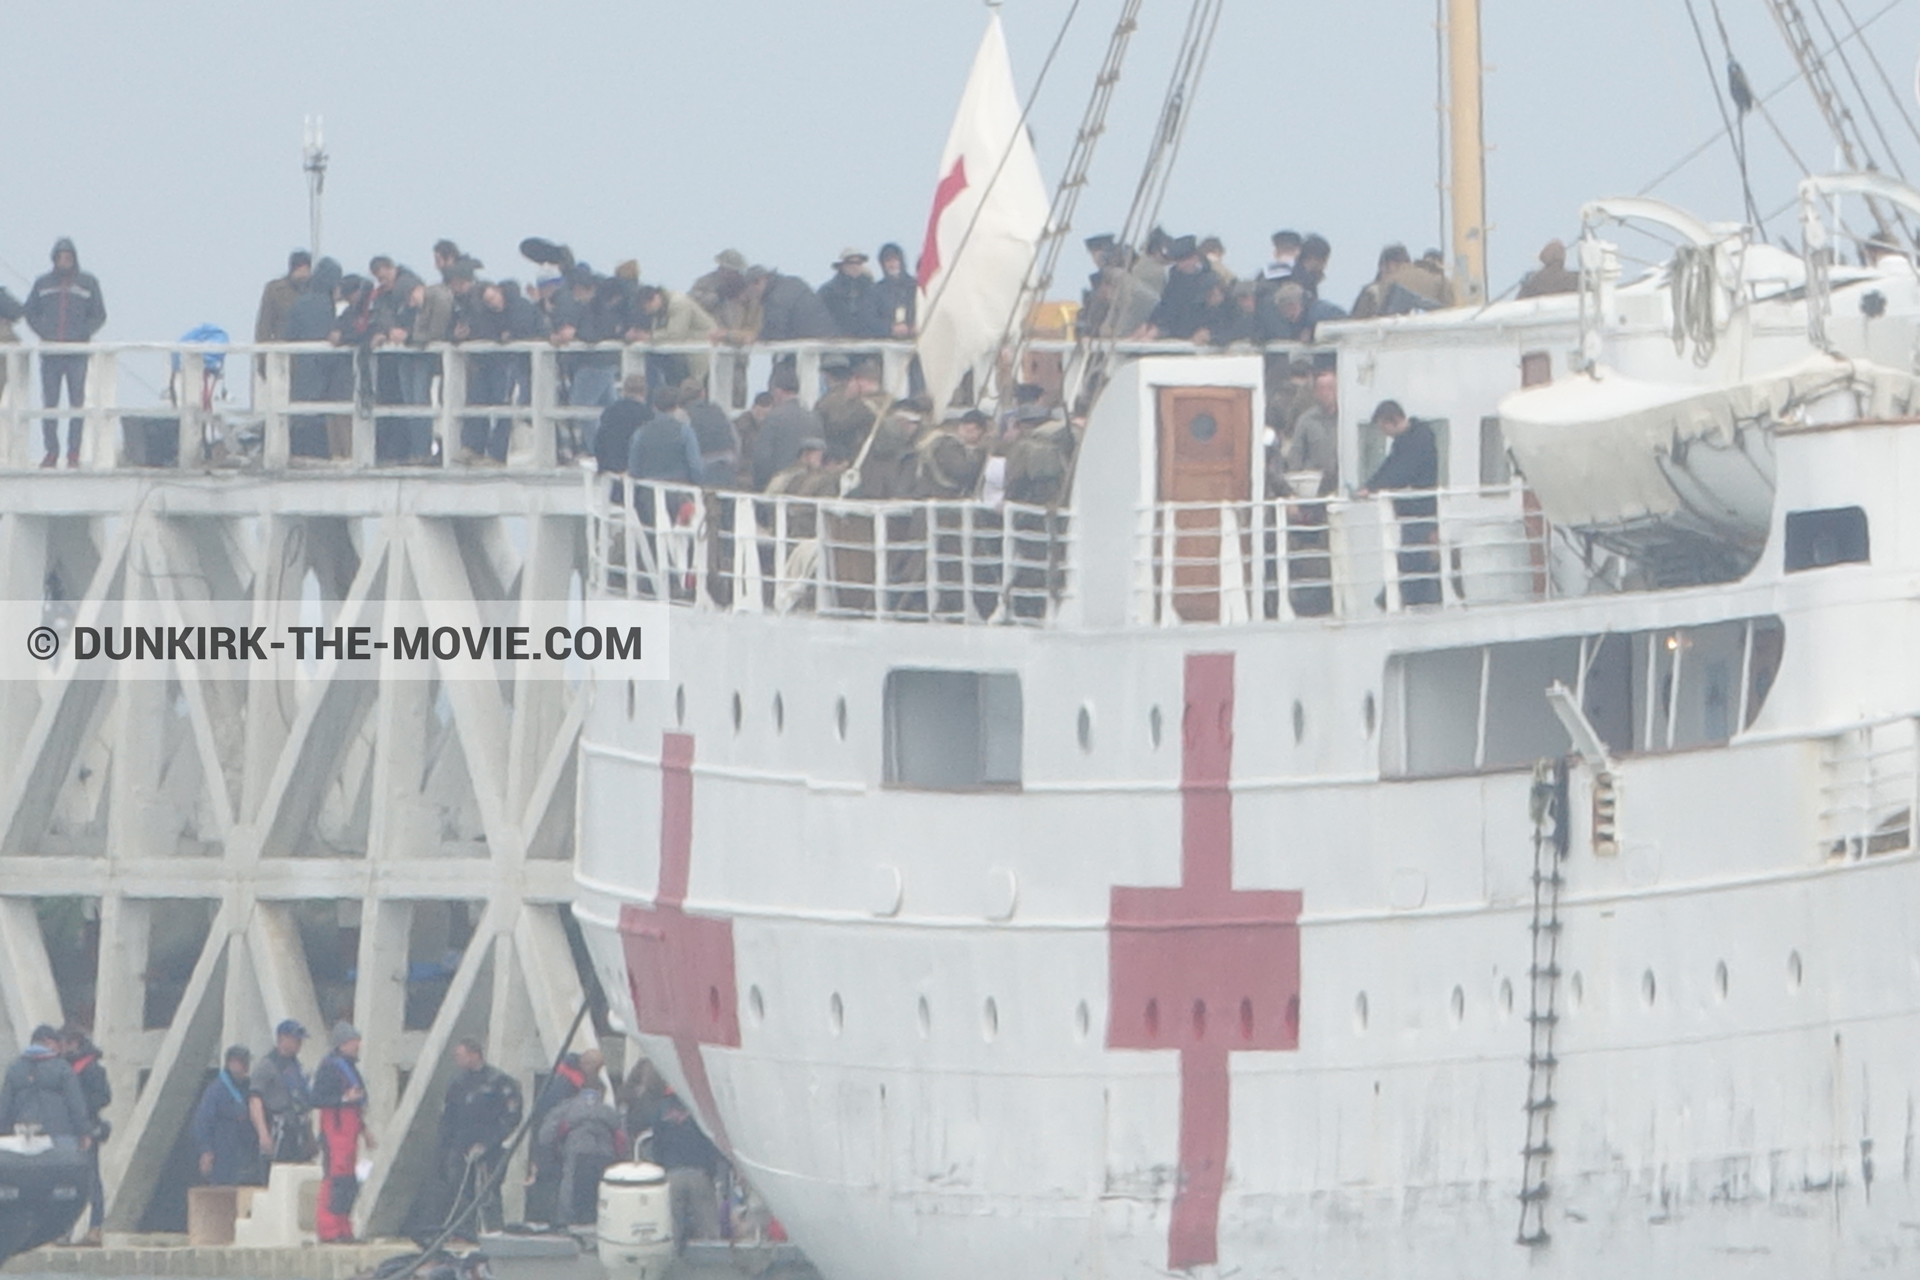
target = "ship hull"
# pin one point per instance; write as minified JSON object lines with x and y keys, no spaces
{"x":924,"y":1066}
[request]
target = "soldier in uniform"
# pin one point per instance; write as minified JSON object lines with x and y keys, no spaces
{"x":891,"y":463}
{"x":849,"y":409}
{"x":481,"y":1113}
{"x":1038,"y":462}
{"x":949,"y":460}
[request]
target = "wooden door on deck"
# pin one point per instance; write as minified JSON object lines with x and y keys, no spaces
{"x":1206,"y":450}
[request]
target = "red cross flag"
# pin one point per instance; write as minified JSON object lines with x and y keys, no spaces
{"x":989,"y":210}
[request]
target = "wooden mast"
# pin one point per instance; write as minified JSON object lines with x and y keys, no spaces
{"x":1467,"y":152}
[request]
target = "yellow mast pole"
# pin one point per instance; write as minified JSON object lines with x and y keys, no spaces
{"x":1467,"y":150}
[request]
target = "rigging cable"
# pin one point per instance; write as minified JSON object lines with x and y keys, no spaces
{"x":1859,"y":32}
{"x":1092,"y":351}
{"x":1017,"y":332}
{"x":1866,"y":104}
{"x":1899,"y":102}
{"x":1736,"y":132}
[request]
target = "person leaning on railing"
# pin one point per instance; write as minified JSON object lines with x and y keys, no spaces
{"x":1413,"y":463}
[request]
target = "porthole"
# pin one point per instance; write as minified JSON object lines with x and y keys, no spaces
{"x":1369,"y":714}
{"x":1204,"y":426}
{"x":1795,"y":971}
{"x":1154,"y":727}
{"x":1299,"y":722}
{"x":1199,"y":1019}
{"x":990,"y":1019}
{"x":836,"y":1014}
{"x":1082,"y":1020}
{"x":924,"y":1016}
{"x":1246,"y":1017}
{"x":736,"y":711}
{"x":1720,"y":979}
{"x":1360,"y":1012}
{"x":1083,"y":727}
{"x":1153,"y":1017}
{"x":680,"y":706}
{"x":630,"y":699}
{"x":1457,"y":1006}
{"x":756,"y":1005}
{"x":840,"y":718}
{"x":1506,"y":997}
{"x":779,"y":713}
{"x":1648,"y":988}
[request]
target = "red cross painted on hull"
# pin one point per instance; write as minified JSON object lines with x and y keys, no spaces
{"x":680,"y":966}
{"x":1204,"y":968}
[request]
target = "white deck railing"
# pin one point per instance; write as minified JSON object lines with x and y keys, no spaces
{"x":152,"y":404}
{"x":1868,"y":776}
{"x":924,"y":561}
{"x":1278,"y":559}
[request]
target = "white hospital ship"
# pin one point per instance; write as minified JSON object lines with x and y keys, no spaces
{"x":1156,"y":884}
{"x":1140,"y":887}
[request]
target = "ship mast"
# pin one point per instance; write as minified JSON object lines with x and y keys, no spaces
{"x":1467,"y":150}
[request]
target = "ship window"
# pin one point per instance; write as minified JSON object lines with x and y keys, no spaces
{"x":1496,"y":468}
{"x":1484,"y":707}
{"x":952,"y":730}
{"x":1817,"y":539}
{"x":1521,"y":726}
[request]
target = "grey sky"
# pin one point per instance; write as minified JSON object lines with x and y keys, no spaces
{"x":165,"y":137}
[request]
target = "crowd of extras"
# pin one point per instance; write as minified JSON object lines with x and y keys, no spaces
{"x":665,"y":425}
{"x":255,"y":1114}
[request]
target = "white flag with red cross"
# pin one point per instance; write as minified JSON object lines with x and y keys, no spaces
{"x":989,"y":211}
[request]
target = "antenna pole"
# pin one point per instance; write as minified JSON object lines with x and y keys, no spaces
{"x":1468,"y":150}
{"x":313,"y":159}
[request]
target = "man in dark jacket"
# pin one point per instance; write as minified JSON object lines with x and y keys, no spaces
{"x":777,"y":445}
{"x":223,"y":1133}
{"x":84,"y":1057}
{"x":543,"y":1189}
{"x":719,"y":443}
{"x":282,"y":1100}
{"x":1184,"y":303}
{"x":587,"y":310}
{"x":790,"y":309}
{"x":895,"y":296}
{"x":317,"y":377}
{"x":65,"y":306}
{"x":277,"y":299}
{"x":1413,"y":463}
{"x":663,"y":450}
{"x":40,"y":1090}
{"x":848,"y":295}
{"x":482,"y":1110}
{"x":618,"y":422}
{"x":690,"y":1160}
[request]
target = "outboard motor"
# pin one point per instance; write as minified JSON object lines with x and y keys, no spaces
{"x":636,"y":1222}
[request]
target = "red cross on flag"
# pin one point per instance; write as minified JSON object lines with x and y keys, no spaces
{"x":989,"y":211}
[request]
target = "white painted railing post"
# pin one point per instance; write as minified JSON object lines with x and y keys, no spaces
{"x":16,"y":448}
{"x":360,"y":418}
{"x":189,"y":433}
{"x":806,"y":365}
{"x":453,"y":399}
{"x":545,"y":396}
{"x":276,"y":428}
{"x":1169,"y":545}
{"x":100,"y":448}
{"x":1390,"y":539}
